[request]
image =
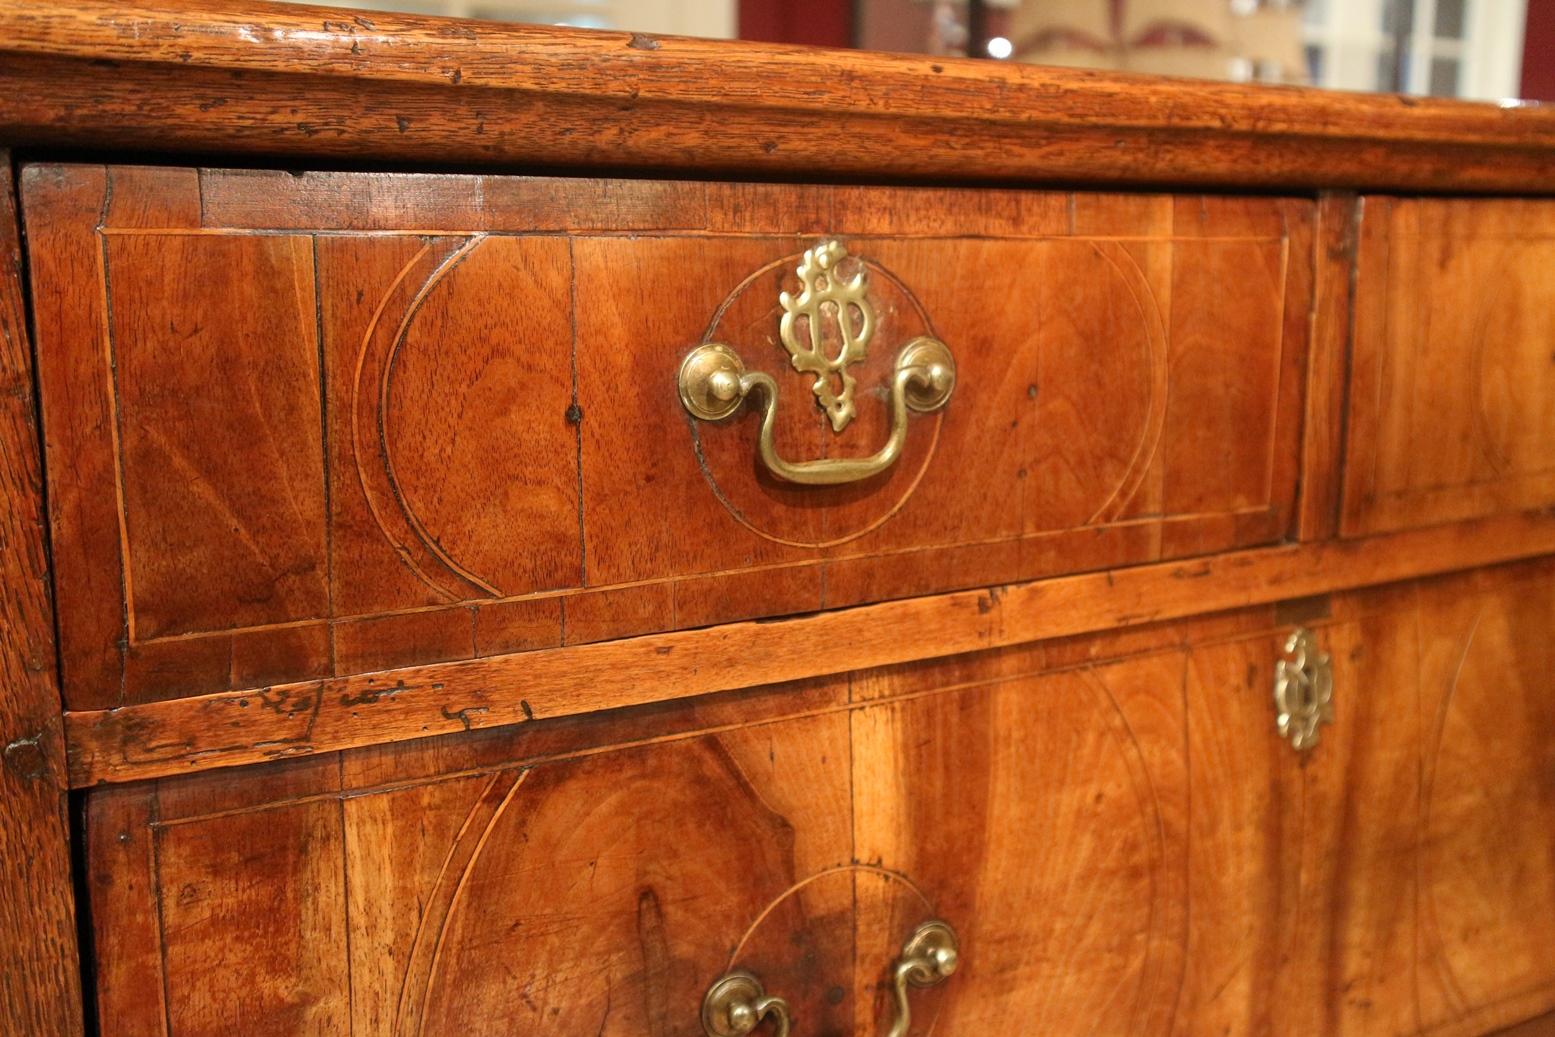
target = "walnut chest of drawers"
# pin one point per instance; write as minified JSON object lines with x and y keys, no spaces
{"x":509,"y":531}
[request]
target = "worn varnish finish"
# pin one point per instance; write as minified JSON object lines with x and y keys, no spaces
{"x":1111,"y":823}
{"x":1044,"y":816}
{"x":430,"y":673}
{"x":410,"y":369}
{"x":279,"y":80}
{"x":1543,"y":1026}
{"x":604,"y":926}
{"x":178,"y":735}
{"x":1328,"y":367}
{"x":1453,"y":370}
{"x":40,"y":992}
{"x":1368,"y":861}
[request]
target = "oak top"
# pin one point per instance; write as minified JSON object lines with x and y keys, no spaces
{"x":283,"y":83}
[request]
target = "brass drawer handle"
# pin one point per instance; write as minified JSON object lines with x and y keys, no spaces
{"x":737,"y":1002}
{"x":928,"y":958}
{"x":713,"y":380}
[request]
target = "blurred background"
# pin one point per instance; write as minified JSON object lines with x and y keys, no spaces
{"x":1481,"y":49}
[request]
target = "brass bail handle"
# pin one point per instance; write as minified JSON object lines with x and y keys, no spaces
{"x":737,"y":1001}
{"x":736,"y":1004}
{"x":929,"y":957}
{"x":714,"y":381}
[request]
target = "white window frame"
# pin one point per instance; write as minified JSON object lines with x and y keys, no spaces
{"x":714,"y":19}
{"x":1493,"y":62}
{"x":1350,"y":37}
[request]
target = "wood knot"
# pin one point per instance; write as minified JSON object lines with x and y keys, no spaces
{"x":26,"y":759}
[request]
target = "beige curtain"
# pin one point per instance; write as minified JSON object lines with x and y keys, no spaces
{"x":1213,"y":39}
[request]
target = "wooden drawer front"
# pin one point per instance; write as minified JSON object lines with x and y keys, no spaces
{"x":1111,"y":824}
{"x":1396,"y":878}
{"x":1452,"y":397}
{"x":454,"y":889}
{"x":303,"y":425}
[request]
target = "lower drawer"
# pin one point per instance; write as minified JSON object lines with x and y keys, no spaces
{"x":1114,"y":829}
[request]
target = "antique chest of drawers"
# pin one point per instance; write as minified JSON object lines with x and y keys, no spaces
{"x":511,"y":531}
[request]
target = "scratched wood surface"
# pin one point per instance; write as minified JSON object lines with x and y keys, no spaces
{"x":293,"y":82}
{"x":40,"y":991}
{"x":1328,"y":367}
{"x":1121,"y":839}
{"x":1453,"y":373}
{"x":1044,"y":817}
{"x":175,"y":736}
{"x":308,"y":426}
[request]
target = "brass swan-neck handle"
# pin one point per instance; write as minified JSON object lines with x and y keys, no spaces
{"x":714,"y":382}
{"x":826,"y":328}
{"x":928,"y":958}
{"x":737,"y":1002}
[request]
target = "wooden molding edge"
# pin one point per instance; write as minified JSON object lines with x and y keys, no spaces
{"x":290,"y":82}
{"x":180,"y":736}
{"x":41,"y":992}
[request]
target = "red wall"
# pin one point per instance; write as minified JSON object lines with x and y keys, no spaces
{"x":822,"y":23}
{"x":1539,"y":52}
{"x":829,"y":23}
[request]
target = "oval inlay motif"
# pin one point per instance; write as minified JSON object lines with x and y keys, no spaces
{"x":481,"y":453}
{"x":1067,"y":914}
{"x":748,"y":322}
{"x":830,"y":942}
{"x":1488,"y":804}
{"x":461,"y":439}
{"x":600,"y":890}
{"x":1101,"y":364}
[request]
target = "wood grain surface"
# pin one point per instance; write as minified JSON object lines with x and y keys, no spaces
{"x":40,"y":989}
{"x":1044,"y":817}
{"x":290,"y":82}
{"x":323,"y":424}
{"x":1328,"y":367}
{"x":180,"y":735}
{"x":1453,"y":371}
{"x":1111,"y":823}
{"x":1389,"y":858}
{"x":546,"y":708}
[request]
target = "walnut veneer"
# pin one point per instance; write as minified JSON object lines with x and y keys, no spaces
{"x":416,"y":664}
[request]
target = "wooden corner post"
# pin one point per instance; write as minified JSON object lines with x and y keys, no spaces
{"x":40,"y":983}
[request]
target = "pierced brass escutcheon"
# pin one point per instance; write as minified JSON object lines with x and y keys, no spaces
{"x":929,"y":957}
{"x":736,"y":1004}
{"x":1303,"y":690}
{"x":714,"y":381}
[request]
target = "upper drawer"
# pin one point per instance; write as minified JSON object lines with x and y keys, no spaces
{"x":333,"y":423}
{"x":1452,"y":392}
